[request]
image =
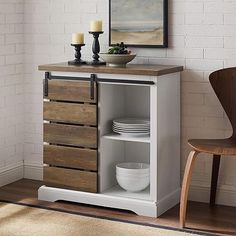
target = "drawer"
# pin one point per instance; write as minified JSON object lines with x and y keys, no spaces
{"x":67,"y":90}
{"x":70,"y":113}
{"x":70,"y":135}
{"x":72,"y":179}
{"x":77,"y":158}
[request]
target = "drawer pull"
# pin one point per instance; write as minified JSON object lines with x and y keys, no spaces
{"x":47,"y":77}
{"x":93,"y":80}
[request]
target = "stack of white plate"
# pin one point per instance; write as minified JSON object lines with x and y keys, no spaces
{"x":131,"y":126}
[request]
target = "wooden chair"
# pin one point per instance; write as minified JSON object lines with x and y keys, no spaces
{"x":224,"y":84}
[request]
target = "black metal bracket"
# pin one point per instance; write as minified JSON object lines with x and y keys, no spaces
{"x":97,"y":79}
{"x":47,"y":77}
{"x":93,"y":80}
{"x":125,"y":81}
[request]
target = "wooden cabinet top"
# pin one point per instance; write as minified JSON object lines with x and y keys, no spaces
{"x":132,"y":69}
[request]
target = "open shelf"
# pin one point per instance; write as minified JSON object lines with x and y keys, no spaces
{"x":119,"y":192}
{"x":119,"y":101}
{"x":141,"y":139}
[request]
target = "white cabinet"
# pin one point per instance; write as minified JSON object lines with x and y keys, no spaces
{"x":131,"y":95}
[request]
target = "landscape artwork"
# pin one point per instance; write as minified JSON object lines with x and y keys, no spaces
{"x":138,"y":22}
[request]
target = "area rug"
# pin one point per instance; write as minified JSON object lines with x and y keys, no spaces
{"x":22,"y":220}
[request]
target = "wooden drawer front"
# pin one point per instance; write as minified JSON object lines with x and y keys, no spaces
{"x":72,"y":179}
{"x":70,"y":113}
{"x":66,"y":90}
{"x":77,"y":158}
{"x":70,"y":135}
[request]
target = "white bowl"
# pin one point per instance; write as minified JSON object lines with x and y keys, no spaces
{"x":133,"y":168}
{"x":133,"y":175}
{"x":117,"y":60}
{"x":133,"y":184}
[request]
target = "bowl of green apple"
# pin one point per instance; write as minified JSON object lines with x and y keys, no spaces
{"x":118,"y":56}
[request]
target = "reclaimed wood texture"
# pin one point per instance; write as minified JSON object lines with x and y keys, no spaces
{"x":152,"y":70}
{"x":70,"y":135}
{"x":77,"y":158}
{"x":73,"y":179}
{"x":70,"y":113}
{"x":67,"y":90}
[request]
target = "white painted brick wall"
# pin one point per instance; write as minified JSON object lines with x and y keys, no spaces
{"x":202,"y":38}
{"x":11,"y":87}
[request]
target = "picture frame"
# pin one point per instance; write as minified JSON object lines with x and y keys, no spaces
{"x":145,"y":26}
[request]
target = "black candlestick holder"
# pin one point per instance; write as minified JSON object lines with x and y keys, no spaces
{"x":77,"y":60}
{"x":96,"y":49}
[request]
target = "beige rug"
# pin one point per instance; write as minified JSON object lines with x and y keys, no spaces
{"x":18,"y":220}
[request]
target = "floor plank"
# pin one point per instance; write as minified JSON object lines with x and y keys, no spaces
{"x":220,"y":220}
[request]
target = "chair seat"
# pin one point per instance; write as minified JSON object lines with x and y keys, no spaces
{"x":214,"y":146}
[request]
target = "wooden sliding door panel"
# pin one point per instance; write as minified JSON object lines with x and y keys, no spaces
{"x":70,"y":135}
{"x":72,"y":179}
{"x":68,"y":90}
{"x":77,"y":158}
{"x":70,"y":113}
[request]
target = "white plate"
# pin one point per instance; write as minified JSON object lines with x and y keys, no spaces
{"x":131,"y":129}
{"x":134,"y":126}
{"x":133,"y":134}
{"x":127,"y":129}
{"x":131,"y":121}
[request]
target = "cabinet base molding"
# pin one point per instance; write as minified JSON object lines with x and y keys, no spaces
{"x":138,"y":206}
{"x":11,"y":173}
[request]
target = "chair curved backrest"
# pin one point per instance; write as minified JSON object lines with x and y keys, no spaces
{"x":224,"y":84}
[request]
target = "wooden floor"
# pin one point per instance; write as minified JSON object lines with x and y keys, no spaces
{"x":220,"y":220}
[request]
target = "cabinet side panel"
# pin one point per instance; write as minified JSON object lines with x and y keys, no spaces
{"x":168,"y":135}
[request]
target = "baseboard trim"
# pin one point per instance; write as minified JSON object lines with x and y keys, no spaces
{"x":11,"y":173}
{"x":34,"y":172}
{"x":168,"y":202}
{"x":224,"y":196}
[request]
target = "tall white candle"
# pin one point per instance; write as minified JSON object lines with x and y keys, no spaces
{"x":77,"y":38}
{"x":96,"y":26}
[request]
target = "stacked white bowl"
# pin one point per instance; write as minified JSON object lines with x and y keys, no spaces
{"x":133,"y":177}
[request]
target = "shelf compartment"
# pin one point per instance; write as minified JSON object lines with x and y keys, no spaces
{"x":119,"y":192}
{"x":114,"y":136}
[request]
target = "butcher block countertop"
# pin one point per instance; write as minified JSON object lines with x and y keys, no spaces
{"x":132,"y":69}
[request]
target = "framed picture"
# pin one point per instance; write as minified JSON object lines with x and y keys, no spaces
{"x":138,"y":23}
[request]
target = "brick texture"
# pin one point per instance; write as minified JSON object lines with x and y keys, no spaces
{"x":202,"y":38}
{"x":11,"y":84}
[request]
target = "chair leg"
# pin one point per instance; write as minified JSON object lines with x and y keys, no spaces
{"x":214,"y":178}
{"x":185,"y":186}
